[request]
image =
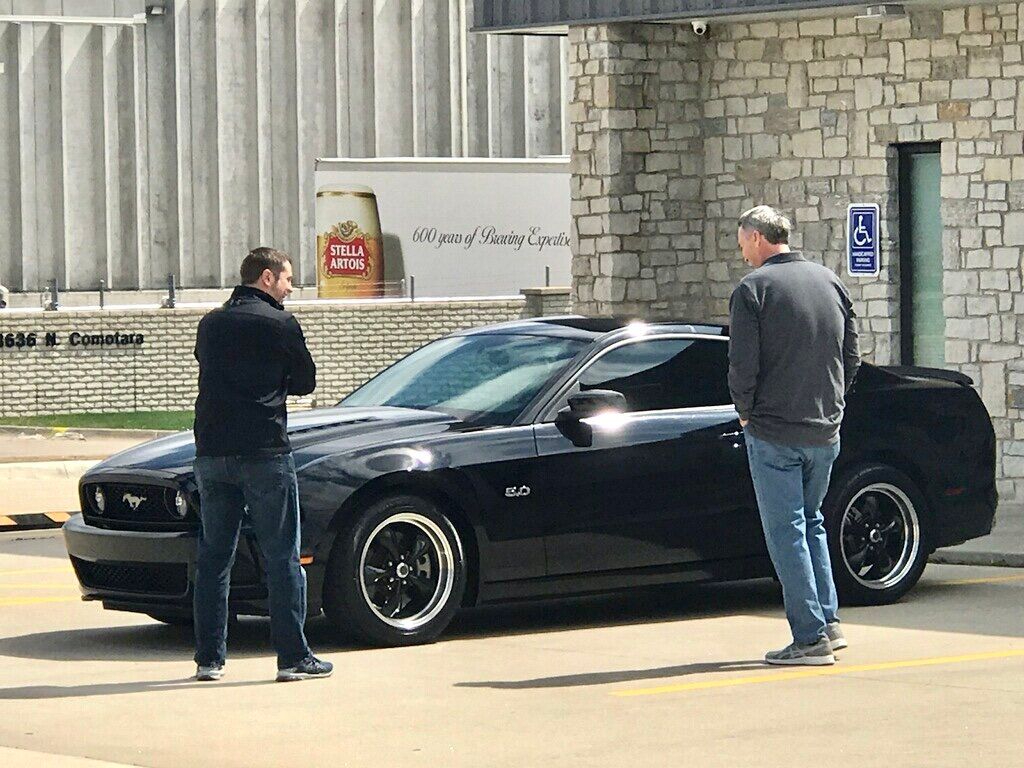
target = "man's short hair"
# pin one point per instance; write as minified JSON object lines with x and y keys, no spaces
{"x":260,"y":259}
{"x":769,"y":222}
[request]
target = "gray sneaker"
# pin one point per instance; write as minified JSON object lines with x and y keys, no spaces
{"x":835,"y":636}
{"x":210,"y":672}
{"x":309,"y":668}
{"x":817,"y":654}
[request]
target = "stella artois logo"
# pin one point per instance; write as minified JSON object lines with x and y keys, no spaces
{"x":345,"y":251}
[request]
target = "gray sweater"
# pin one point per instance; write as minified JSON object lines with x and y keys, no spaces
{"x":792,"y":351}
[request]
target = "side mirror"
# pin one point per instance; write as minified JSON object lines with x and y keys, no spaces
{"x":583,"y":405}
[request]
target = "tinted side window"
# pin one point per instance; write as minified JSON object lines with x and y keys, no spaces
{"x":667,"y":373}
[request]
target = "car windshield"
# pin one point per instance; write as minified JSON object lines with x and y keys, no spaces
{"x":483,"y":379}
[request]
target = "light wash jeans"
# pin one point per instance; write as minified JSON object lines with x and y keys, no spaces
{"x":227,"y":484}
{"x":790,"y":484}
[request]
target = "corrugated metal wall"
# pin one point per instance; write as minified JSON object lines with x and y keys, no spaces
{"x":132,"y":148}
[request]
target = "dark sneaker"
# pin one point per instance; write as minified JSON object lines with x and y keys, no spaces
{"x":308,"y":669}
{"x":835,"y":636}
{"x":817,"y":654}
{"x":208,"y":672}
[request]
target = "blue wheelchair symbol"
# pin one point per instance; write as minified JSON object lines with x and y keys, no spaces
{"x":862,"y":236}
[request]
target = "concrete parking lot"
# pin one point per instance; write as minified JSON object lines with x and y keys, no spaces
{"x":666,"y":677}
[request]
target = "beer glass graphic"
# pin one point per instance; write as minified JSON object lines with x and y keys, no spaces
{"x":349,"y":246}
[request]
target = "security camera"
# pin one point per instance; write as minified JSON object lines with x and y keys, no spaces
{"x":700,"y":27}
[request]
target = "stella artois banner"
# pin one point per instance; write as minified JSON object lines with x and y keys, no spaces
{"x":462,"y":227}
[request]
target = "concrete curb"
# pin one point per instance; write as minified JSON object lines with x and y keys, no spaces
{"x":87,"y":433}
{"x":999,"y":559}
{"x":63,"y":469}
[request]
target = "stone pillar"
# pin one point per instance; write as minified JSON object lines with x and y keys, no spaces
{"x":637,"y":162}
{"x":544,"y":302}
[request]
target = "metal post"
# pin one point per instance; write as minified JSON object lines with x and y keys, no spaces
{"x":103,"y":288}
{"x":547,"y":276}
{"x":412,"y":287}
{"x":54,"y":303}
{"x":171,"y":300}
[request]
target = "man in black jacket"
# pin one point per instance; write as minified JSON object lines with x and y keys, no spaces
{"x":793,"y":355}
{"x":251,"y":355}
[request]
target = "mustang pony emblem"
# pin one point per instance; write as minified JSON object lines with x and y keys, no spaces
{"x":132,"y":501}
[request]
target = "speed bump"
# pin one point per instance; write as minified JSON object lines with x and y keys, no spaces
{"x":32,"y":521}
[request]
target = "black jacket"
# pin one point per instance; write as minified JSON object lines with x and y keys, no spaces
{"x":793,"y":351}
{"x":252,"y":355}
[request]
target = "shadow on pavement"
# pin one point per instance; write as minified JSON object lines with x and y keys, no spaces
{"x":939,"y":604}
{"x":619,"y":676}
{"x":250,"y":636}
{"x":112,"y":689}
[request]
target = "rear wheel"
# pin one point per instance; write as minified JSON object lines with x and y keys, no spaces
{"x":878,"y":534}
{"x":397,"y":576}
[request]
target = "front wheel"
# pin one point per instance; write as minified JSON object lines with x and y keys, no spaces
{"x":876,"y":521}
{"x":397,"y":576}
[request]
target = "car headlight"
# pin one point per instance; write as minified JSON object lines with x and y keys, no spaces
{"x":100,"y":499}
{"x":180,"y":505}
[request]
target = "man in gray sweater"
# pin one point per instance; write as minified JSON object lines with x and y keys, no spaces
{"x":792,"y":357}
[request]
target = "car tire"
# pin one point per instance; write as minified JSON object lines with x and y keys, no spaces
{"x":396,"y":576}
{"x":877,"y":525}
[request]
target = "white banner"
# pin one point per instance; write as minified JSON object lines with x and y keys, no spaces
{"x":463,"y":227}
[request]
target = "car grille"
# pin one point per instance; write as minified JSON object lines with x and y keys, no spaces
{"x":169,"y":579}
{"x":136,"y":505}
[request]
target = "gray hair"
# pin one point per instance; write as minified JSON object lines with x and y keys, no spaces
{"x":769,"y":222}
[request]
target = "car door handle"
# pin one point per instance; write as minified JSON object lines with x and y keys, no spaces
{"x":735,"y":439}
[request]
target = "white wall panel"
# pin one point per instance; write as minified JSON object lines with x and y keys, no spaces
{"x":173,"y":146}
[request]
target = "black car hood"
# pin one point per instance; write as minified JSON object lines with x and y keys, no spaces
{"x":344,"y":428}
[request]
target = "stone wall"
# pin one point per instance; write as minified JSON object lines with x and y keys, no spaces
{"x":349,"y":341}
{"x":674,"y":136}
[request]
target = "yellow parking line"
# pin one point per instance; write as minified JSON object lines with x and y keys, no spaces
{"x":16,"y":586}
{"x":989,"y":580}
{"x":65,"y":569}
{"x":819,"y":672}
{"x":7,"y":601}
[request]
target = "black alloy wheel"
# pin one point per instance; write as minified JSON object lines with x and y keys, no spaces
{"x":398,"y":575}
{"x":877,"y":531}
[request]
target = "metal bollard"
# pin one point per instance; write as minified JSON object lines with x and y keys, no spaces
{"x":103,"y":289}
{"x":171,"y":301}
{"x":412,"y":287}
{"x":54,"y":303}
{"x":547,"y":276}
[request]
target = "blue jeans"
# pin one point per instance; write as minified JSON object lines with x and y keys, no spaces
{"x":267,"y":486}
{"x":790,"y":484}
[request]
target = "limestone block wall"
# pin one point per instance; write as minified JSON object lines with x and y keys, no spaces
{"x":674,"y":136}
{"x":97,"y":363}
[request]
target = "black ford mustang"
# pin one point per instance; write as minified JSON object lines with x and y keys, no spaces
{"x":547,"y":457}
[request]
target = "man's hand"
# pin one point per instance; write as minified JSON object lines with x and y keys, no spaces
{"x":744,"y":423}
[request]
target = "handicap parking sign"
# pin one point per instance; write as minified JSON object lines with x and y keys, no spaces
{"x":862,"y":246}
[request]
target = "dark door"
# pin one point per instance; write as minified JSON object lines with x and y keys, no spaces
{"x":664,"y":484}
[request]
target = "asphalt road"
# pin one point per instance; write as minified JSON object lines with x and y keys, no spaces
{"x":667,"y":677}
